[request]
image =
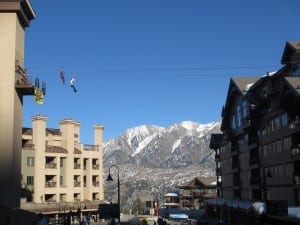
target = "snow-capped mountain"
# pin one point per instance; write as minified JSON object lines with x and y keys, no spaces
{"x":159,"y":147}
{"x":152,"y":159}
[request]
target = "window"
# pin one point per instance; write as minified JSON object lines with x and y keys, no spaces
{"x":30,"y":161}
{"x":288,"y":169}
{"x":272,"y":125}
{"x":29,"y":180}
{"x":296,"y":71}
{"x":279,"y":145}
{"x":287,"y":142}
{"x":233,"y":125}
{"x":239,"y":116}
{"x":245,"y":109}
{"x":265,"y":150}
{"x":277,"y":123}
{"x":284,"y":119}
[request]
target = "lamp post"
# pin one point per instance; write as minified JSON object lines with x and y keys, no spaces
{"x":109,"y":178}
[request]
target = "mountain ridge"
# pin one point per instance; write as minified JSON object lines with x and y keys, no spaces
{"x":153,"y":159}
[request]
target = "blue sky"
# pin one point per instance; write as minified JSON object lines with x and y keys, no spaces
{"x":142,"y":62}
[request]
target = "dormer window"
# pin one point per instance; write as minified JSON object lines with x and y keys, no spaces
{"x":296,"y":70}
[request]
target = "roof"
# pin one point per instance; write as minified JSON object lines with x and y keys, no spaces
{"x":291,"y":53}
{"x":243,"y":82}
{"x":294,"y":82}
{"x":55,"y":149}
{"x":199,"y":182}
{"x":53,"y":131}
{"x":171,"y":195}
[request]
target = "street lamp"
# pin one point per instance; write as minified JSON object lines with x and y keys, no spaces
{"x":109,"y":178}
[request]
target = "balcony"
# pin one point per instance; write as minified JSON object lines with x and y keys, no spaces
{"x":76,"y":184}
{"x":96,"y":183}
{"x":96,"y":167}
{"x":91,"y":147}
{"x":51,"y":165}
{"x":77,"y":166}
{"x":23,"y":82}
{"x":50,"y":184}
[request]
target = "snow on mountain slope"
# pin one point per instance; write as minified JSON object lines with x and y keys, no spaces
{"x":154,"y":159}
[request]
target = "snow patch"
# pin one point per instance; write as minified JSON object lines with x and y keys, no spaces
{"x":176,"y":144}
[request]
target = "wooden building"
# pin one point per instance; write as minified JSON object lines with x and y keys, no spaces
{"x":194,"y":192}
{"x":258,"y":152}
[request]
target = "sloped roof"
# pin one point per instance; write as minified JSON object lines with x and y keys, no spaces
{"x":199,"y":182}
{"x":294,"y":82}
{"x":239,"y":86}
{"x":77,"y":151}
{"x":291,"y":53}
{"x":53,"y":131}
{"x":28,"y":131}
{"x":243,"y":82}
{"x":55,"y":149}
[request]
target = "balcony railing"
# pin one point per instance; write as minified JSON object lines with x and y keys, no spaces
{"x":77,"y":166}
{"x":96,"y":183}
{"x":51,"y":165}
{"x":76,"y":184}
{"x":50,"y":183}
{"x":22,"y":77}
{"x":96,"y":166}
{"x":91,"y":147}
{"x":23,"y":82}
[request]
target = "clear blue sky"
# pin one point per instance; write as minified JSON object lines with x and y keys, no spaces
{"x":150,"y":62}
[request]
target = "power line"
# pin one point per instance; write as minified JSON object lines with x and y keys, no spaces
{"x":163,"y":71}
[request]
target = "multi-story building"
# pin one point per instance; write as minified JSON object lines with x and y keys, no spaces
{"x":258,"y":151}
{"x":15,"y":17}
{"x":194,"y":192}
{"x":57,"y":168}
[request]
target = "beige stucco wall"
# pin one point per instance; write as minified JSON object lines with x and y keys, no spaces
{"x":67,"y":139}
{"x":11,"y":49}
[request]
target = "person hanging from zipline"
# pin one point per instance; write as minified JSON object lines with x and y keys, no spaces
{"x":62,"y":76}
{"x":72,"y":84}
